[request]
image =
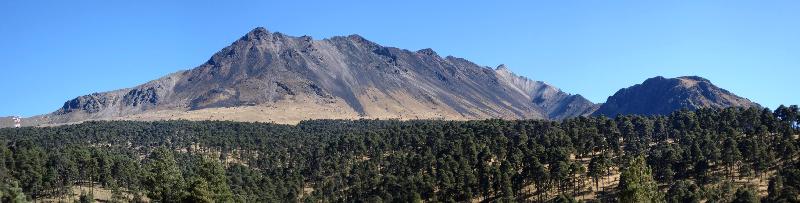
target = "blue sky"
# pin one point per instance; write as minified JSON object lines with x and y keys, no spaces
{"x":53,"y":51}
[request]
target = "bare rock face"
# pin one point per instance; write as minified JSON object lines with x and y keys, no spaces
{"x":352,"y":75}
{"x":661,"y":96}
{"x":92,"y":103}
{"x":137,"y":97}
{"x":554,"y":103}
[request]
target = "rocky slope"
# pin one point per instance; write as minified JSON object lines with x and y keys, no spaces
{"x":662,"y":96}
{"x":6,"y":121}
{"x":271,"y":77}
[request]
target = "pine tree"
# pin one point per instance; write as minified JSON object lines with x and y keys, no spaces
{"x":745,"y":195}
{"x":86,"y":198}
{"x":11,"y":192}
{"x":214,"y":177}
{"x":730,"y":155}
{"x":683,"y":191}
{"x":596,"y":170}
{"x":163,"y":178}
{"x":199,"y":192}
{"x":636,"y":183}
{"x":775,"y":188}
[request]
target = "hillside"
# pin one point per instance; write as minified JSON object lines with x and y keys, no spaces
{"x":707,"y":155}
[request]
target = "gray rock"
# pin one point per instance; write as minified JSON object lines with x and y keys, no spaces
{"x":661,"y":96}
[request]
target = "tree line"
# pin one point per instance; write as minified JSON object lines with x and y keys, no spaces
{"x":688,"y":156}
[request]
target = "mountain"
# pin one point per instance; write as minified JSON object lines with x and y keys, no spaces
{"x":661,"y":96}
{"x":6,"y":121}
{"x":272,"y":77}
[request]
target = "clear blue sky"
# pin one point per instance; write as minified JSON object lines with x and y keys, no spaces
{"x":53,"y":51}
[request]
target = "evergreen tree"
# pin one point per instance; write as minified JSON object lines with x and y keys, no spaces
{"x":730,"y":155}
{"x":745,"y":195}
{"x":163,"y":177}
{"x":86,"y":198}
{"x":774,"y":188}
{"x":636,"y":183}
{"x":11,"y":192}
{"x":597,"y":170}
{"x":213,"y":174}
{"x":198,"y":191}
{"x":683,"y":192}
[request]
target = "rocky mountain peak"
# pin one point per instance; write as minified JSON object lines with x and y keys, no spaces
{"x":685,"y":81}
{"x":501,"y":67}
{"x":660,"y":95}
{"x":360,"y":40}
{"x":428,"y":51}
{"x":694,"y":78}
{"x":258,"y":33}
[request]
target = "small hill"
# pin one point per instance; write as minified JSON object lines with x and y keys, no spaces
{"x":660,"y":96}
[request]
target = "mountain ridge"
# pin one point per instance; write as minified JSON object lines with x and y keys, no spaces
{"x":348,"y":75}
{"x":272,"y":77}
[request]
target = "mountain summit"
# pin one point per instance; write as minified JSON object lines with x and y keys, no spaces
{"x":661,"y":96}
{"x":271,"y":77}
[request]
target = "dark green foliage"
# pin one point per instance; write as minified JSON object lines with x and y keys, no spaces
{"x":636,"y":183}
{"x":408,"y":161}
{"x":785,"y":187}
{"x":11,"y":192}
{"x":163,"y":177}
{"x":745,"y":195}
{"x":86,"y":198}
{"x":199,"y":192}
{"x":723,"y":192}
{"x":683,"y":191}
{"x":598,"y":168}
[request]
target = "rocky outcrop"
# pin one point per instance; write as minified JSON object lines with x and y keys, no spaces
{"x":137,"y":97}
{"x":554,"y":103}
{"x":92,"y":103}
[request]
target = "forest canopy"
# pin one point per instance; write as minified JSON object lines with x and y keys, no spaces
{"x":721,"y":155}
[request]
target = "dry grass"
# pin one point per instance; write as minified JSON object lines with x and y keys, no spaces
{"x":299,"y":109}
{"x":282,"y":112}
{"x":101,"y":194}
